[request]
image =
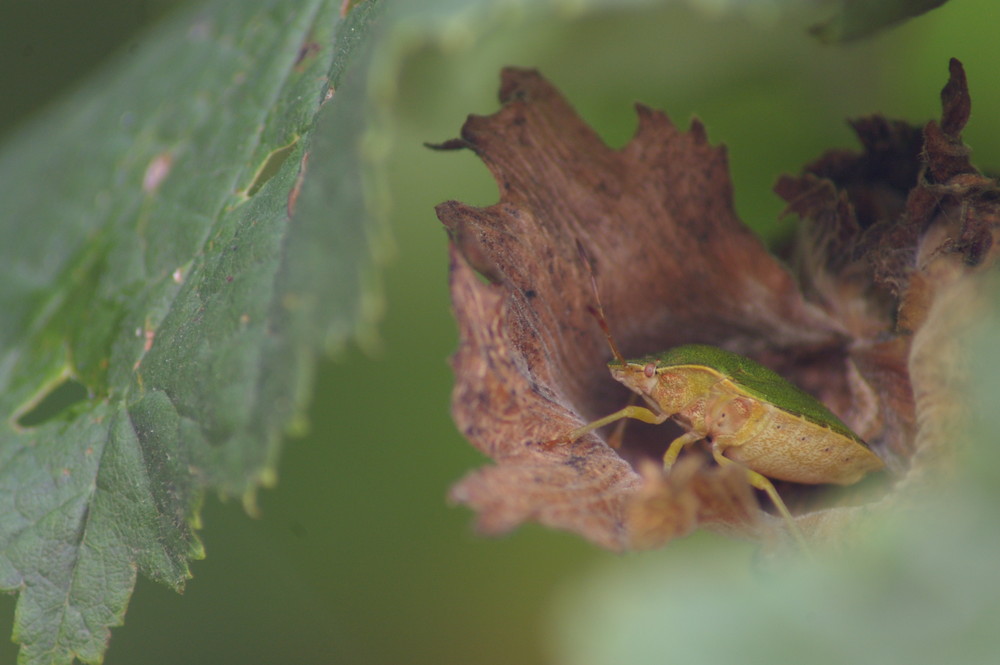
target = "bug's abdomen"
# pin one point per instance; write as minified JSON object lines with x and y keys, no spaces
{"x":786,"y":446}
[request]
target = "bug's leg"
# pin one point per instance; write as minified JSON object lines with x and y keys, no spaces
{"x":618,"y":434}
{"x":677,"y":445}
{"x":630,"y":411}
{"x":761,"y":482}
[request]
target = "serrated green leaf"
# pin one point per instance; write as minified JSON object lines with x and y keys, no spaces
{"x":154,"y":253}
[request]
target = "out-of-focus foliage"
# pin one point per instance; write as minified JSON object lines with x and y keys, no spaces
{"x":163,"y":300}
{"x":355,"y":542}
{"x":861,"y":18}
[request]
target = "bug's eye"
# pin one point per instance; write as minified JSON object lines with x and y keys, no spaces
{"x":649,"y":370}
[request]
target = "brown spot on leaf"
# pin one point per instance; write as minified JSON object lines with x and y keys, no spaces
{"x":157,"y":171}
{"x":293,"y":194}
{"x":306,"y":51}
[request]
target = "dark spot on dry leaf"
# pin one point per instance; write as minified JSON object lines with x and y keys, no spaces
{"x":675,"y":265}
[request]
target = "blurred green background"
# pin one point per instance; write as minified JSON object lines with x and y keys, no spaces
{"x":356,"y":556}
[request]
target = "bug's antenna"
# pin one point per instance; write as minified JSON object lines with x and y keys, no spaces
{"x":598,"y":312}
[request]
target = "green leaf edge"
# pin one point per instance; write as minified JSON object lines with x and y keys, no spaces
{"x":136,"y":423}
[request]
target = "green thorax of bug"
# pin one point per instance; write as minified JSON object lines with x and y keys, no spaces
{"x":747,"y":412}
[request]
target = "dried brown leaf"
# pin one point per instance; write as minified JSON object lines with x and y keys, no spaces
{"x":924,"y":246}
{"x":675,"y":265}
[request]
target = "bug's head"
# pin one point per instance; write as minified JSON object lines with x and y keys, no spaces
{"x":637,"y":375}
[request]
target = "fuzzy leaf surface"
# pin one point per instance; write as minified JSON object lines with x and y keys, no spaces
{"x":155,"y":263}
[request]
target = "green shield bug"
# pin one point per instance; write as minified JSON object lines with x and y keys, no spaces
{"x":748,"y":414}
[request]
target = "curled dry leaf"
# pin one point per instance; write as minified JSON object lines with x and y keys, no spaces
{"x":903,"y":233}
{"x":674,"y":265}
